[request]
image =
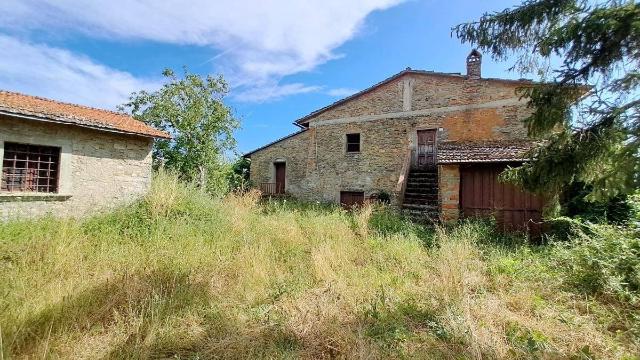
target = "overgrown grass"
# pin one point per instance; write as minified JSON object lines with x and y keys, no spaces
{"x":183,"y":275}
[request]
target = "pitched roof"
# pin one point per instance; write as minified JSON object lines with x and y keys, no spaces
{"x":38,"y":108}
{"x":396,"y":76}
{"x":273,"y":143}
{"x":452,"y":152}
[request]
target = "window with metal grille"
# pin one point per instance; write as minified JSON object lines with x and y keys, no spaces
{"x":353,"y":143}
{"x":30,"y":168}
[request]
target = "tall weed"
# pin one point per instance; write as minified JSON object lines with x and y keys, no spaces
{"x":601,"y":259}
{"x":181,"y":274}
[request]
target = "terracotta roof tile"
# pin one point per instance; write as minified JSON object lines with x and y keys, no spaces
{"x":451,"y":152}
{"x":51,"y":110}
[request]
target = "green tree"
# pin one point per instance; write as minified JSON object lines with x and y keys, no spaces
{"x":192,"y":110}
{"x":591,"y":138}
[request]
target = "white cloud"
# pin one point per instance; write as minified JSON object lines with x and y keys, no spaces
{"x":341,"y":92}
{"x":62,"y":75}
{"x":261,"y":41}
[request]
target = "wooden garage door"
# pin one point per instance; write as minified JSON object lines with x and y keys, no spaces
{"x":481,"y":194}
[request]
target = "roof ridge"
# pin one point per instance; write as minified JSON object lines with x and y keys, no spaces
{"x":248,"y":154}
{"x":66,"y":103}
{"x":395,"y":76}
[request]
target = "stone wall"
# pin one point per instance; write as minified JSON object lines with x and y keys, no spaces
{"x":433,"y":91}
{"x":387,"y":119}
{"x":292,"y":151}
{"x":449,"y":189}
{"x":98,"y":170}
{"x":385,"y":99}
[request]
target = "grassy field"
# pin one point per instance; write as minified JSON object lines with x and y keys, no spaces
{"x":182,"y":275}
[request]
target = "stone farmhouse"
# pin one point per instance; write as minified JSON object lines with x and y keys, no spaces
{"x":68,"y":159}
{"x":434,"y":143}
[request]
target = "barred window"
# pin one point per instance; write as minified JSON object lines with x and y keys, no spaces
{"x":30,"y":168}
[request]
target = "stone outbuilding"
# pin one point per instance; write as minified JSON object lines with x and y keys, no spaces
{"x":68,"y":159}
{"x":434,"y":143}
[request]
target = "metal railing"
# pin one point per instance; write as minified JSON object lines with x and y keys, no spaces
{"x":272,"y":188}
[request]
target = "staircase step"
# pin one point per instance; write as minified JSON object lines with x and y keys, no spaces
{"x":421,"y":186}
{"x":421,"y":195}
{"x":423,"y":176}
{"x":417,"y":195}
{"x":430,"y":204}
{"x":420,"y":207}
{"x":424,"y":171}
{"x":419,"y":216}
{"x":422,"y":182}
{"x":421,"y":191}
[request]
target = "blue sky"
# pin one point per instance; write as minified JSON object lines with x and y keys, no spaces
{"x":283,"y":59}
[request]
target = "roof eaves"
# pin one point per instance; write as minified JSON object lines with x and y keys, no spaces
{"x":350,"y":97}
{"x":248,"y":155}
{"x":61,"y":120}
{"x":471,"y":161}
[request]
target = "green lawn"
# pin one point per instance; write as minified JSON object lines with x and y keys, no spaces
{"x":183,"y":275}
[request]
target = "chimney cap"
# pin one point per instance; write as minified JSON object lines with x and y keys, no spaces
{"x":474,"y":64}
{"x":474,"y":54}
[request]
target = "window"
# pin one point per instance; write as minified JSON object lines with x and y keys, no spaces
{"x":350,"y":199}
{"x":30,"y":168}
{"x":353,"y":143}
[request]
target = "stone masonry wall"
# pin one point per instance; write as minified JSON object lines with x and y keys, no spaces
{"x":449,"y":189}
{"x":98,"y":170}
{"x":386,"y":99}
{"x":293,"y":151}
{"x":459,"y":108}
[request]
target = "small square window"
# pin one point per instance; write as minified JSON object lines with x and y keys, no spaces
{"x":353,"y":143}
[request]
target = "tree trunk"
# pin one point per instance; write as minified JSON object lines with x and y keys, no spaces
{"x":202,"y":181}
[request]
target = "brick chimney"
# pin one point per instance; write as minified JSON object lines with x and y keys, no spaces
{"x":474,"y":64}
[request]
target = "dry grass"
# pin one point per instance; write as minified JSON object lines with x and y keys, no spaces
{"x":186,"y":276}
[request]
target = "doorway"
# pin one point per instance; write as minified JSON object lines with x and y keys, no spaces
{"x":281,"y":174}
{"x":426,"y":149}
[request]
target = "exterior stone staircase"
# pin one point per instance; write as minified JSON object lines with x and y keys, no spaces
{"x":421,"y":195}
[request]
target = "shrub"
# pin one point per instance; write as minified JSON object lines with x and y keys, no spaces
{"x":601,"y":259}
{"x":565,"y":228}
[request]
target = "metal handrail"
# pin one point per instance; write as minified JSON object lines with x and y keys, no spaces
{"x":272,"y":188}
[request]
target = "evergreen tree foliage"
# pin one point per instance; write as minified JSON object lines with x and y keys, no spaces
{"x":615,"y":210}
{"x":587,"y":107}
{"x":192,"y":110}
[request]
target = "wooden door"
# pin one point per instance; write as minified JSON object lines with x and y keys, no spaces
{"x":426,"y":148}
{"x":483,"y":195}
{"x":350,"y":199}
{"x":281,"y":174}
